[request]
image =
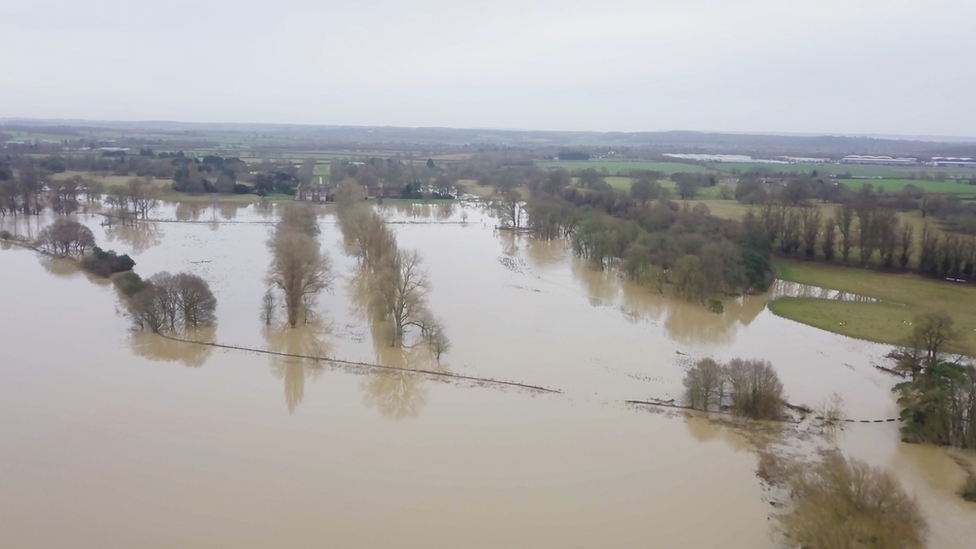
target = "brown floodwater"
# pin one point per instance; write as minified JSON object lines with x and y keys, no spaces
{"x":114,"y":438}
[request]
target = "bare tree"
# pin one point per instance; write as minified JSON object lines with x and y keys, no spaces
{"x":844,"y":215}
{"x":268,"y":306}
{"x":403,"y":287}
{"x":299,"y":269}
{"x":66,"y":237}
{"x":174,"y":302}
{"x":705,"y":385}
{"x":510,"y":209}
{"x":754,"y":389}
{"x":142,"y":196}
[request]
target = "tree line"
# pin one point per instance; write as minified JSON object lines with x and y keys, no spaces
{"x":394,"y":281}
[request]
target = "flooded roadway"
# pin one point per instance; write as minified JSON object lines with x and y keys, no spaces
{"x":110,"y":442}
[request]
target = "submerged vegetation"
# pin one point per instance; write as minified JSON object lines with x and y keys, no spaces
{"x":748,"y":388}
{"x":652,"y":239}
{"x":846,"y":503}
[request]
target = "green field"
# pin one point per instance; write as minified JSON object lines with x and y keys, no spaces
{"x":895,"y":185}
{"x":897,"y":172}
{"x":617,"y":166}
{"x":901,"y":297}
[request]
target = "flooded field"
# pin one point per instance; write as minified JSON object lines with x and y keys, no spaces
{"x":115,"y":438}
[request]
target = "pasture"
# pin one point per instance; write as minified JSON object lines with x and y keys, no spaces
{"x":615,"y":167}
{"x":900,"y":298}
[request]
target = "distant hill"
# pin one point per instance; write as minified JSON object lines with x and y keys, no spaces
{"x":758,"y":145}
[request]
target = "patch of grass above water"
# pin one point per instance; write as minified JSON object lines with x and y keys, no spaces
{"x":902,"y":297}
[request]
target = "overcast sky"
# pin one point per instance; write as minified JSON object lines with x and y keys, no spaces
{"x":823,"y":66}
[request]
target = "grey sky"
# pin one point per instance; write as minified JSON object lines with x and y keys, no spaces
{"x":825,"y":66}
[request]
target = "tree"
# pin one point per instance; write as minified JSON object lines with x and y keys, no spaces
{"x":907,"y":231}
{"x":688,"y":277}
{"x":66,"y":237}
{"x":510,"y":209}
{"x":142,"y":196}
{"x":844,"y":214}
{"x":299,"y":269}
{"x":645,"y":190}
{"x":829,"y":239}
{"x":403,"y":286}
{"x":810,"y":217}
{"x":430,"y":163}
{"x":705,"y":385}
{"x":687,"y":188}
{"x":268,"y":306}
{"x":174,"y":302}
{"x":754,"y":389}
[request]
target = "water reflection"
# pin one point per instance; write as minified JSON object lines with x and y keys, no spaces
{"x":187,"y":211}
{"x":782,"y":288}
{"x":399,"y":394}
{"x":396,"y":393}
{"x":687,"y":322}
{"x":139,"y":236}
{"x":165,"y":349}
{"x":309,"y":340}
{"x":703,"y":429}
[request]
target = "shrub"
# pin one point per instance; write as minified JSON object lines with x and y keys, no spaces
{"x":130,"y":283}
{"x":847,"y":503}
{"x":968,"y":490}
{"x":715,"y":304}
{"x":5,"y":235}
{"x":107,"y":263}
{"x":240,"y":188}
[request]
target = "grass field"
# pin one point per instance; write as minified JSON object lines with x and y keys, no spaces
{"x":895,"y":185}
{"x":901,"y":297}
{"x":616,"y":166}
{"x":896,"y":172}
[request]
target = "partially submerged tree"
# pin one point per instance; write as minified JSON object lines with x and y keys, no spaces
{"x":299,"y":269}
{"x":66,"y":237}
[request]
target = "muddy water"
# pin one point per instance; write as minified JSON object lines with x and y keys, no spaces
{"x":120,"y":439}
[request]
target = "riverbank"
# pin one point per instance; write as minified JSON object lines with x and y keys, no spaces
{"x":900,"y":298}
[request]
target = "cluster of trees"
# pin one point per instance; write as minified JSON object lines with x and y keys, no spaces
{"x":939,"y":400}
{"x":396,"y":178}
{"x":654,"y":241}
{"x":65,"y":238}
{"x":395,"y":280}
{"x":748,"y":388}
{"x":137,"y":198}
{"x":174,"y":302}
{"x":299,"y":269}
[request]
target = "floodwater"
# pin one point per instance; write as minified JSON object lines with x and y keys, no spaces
{"x":114,"y":438}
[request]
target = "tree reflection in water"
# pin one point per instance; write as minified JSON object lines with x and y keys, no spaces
{"x":158,"y":348}
{"x":140,"y":235}
{"x":311,"y":340}
{"x":396,"y":394}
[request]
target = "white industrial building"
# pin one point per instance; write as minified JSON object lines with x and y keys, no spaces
{"x":953,"y":162}
{"x":878,"y":160}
